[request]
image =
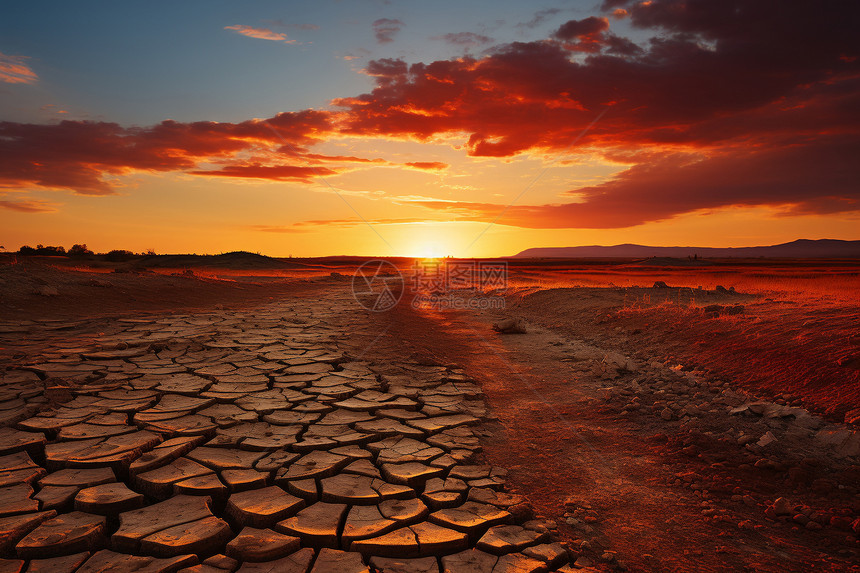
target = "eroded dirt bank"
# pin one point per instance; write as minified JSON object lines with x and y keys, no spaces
{"x":642,"y":463}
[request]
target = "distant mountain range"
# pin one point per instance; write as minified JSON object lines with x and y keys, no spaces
{"x":799,"y":249}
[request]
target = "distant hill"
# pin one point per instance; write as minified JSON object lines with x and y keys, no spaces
{"x":799,"y":249}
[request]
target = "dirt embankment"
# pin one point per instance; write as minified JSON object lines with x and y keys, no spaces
{"x":797,"y":352}
{"x":644,"y":466}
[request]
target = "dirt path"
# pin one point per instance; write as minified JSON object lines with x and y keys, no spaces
{"x":609,"y":475}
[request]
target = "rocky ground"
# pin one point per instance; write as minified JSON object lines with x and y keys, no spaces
{"x":289,"y":429}
{"x":659,"y":465}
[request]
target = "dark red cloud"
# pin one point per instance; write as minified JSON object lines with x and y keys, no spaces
{"x":575,"y":29}
{"x":822,"y":179}
{"x":587,"y":35}
{"x":80,"y":155}
{"x":725,"y":92}
{"x":592,"y":35}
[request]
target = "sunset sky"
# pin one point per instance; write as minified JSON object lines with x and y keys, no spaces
{"x":427,"y":128}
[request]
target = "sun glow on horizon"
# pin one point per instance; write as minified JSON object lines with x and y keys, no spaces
{"x":426,"y":251}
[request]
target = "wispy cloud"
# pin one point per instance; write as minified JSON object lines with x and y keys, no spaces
{"x":14,"y":70}
{"x":385,"y":29}
{"x":28,"y":206}
{"x":278,"y":229}
{"x":308,"y":226}
{"x":279,"y":23}
{"x":260,"y":33}
{"x":540,"y":17}
{"x":355,"y":54}
{"x":52,"y":108}
{"x":464,"y":39}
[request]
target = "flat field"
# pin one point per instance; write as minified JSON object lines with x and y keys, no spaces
{"x":656,"y":415}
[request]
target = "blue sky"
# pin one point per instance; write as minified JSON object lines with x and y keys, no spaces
{"x":140,"y":63}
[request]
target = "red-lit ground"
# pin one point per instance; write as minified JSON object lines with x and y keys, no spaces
{"x":654,"y":467}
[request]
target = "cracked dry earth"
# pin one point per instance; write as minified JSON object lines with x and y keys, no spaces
{"x":273,"y":439}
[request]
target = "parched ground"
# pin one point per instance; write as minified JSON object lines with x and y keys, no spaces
{"x":275,"y":438}
{"x":279,"y":426}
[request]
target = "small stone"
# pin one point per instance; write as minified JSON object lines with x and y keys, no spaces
{"x":782,"y":506}
{"x":509,"y":326}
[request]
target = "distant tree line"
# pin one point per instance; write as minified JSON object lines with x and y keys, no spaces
{"x":81,"y":250}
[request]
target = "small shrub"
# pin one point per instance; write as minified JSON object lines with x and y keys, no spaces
{"x":119,"y":255}
{"x":79,"y":251}
{"x":50,"y":251}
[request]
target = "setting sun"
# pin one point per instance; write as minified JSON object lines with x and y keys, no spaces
{"x":426,"y":251}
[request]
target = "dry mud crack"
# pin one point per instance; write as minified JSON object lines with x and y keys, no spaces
{"x":270,"y":439}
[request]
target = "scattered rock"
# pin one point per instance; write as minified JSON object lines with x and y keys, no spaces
{"x":781,"y":507}
{"x":46,"y":290}
{"x":767,"y":439}
{"x":509,"y":326}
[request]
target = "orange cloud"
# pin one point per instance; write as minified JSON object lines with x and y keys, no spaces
{"x":270,"y":172}
{"x":427,"y":165}
{"x":260,"y":33}
{"x":14,"y":70}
